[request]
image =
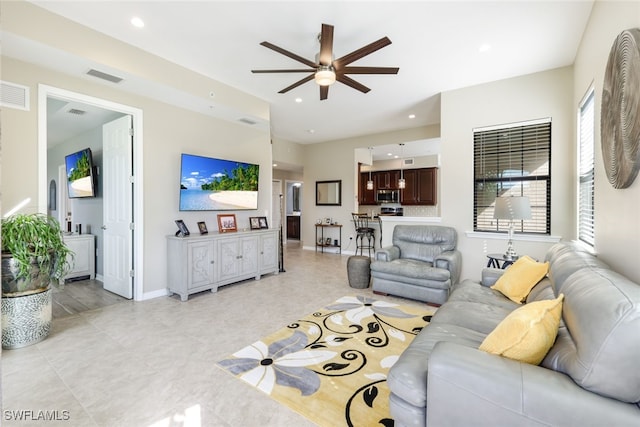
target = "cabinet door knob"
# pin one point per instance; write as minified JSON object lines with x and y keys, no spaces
{"x":104,"y":227}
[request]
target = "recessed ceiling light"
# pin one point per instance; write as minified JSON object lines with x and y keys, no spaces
{"x":298,"y":100}
{"x":412,"y":116}
{"x":311,"y":130}
{"x":484,"y":47}
{"x":389,"y":154}
{"x":137,"y":22}
{"x":275,"y":165}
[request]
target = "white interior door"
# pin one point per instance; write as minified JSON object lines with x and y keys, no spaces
{"x":117,"y":206}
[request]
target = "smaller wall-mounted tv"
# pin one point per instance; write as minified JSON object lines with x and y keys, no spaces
{"x":211,"y":184}
{"x":80,"y":179}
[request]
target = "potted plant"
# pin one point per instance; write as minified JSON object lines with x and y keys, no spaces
{"x":33,"y":256}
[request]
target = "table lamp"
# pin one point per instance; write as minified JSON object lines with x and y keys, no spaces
{"x":512,"y":209}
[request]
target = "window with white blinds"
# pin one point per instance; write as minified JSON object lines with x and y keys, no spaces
{"x":513,"y":160}
{"x":586,"y":128}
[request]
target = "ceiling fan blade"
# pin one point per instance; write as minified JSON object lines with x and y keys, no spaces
{"x":290,"y":54}
{"x":326,"y":45}
{"x":324,"y":92}
{"x":306,"y":70}
{"x":298,"y":83}
{"x":350,"y":82}
{"x":370,"y":70}
{"x":360,"y":53}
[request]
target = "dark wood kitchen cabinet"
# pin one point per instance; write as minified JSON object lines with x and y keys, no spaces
{"x":386,"y":180}
{"x":366,"y":197}
{"x":293,"y":227}
{"x":421,"y":187}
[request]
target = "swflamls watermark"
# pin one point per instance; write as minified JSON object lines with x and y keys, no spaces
{"x":36,"y":415}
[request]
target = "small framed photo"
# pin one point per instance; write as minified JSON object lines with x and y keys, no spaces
{"x":262,"y":220}
{"x":202,"y":227}
{"x":227,"y":223}
{"x":254,"y":222}
{"x":327,"y":221}
{"x":182,"y":228}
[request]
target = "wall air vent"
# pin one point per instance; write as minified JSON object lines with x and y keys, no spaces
{"x":14,"y":96}
{"x":407,"y":162}
{"x":247,"y":121}
{"x":104,"y":76}
{"x":77,"y":112}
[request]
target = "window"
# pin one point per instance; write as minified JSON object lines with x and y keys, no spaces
{"x":585,"y":170}
{"x":513,"y":160}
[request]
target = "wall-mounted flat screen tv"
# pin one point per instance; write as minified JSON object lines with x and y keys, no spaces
{"x":80,"y":179}
{"x":210,"y":184}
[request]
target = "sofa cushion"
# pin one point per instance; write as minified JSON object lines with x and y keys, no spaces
{"x":412,"y":268}
{"x":520,"y":278}
{"x":599,"y":347}
{"x":527,"y":333}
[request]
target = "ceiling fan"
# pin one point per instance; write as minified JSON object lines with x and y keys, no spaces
{"x":326,"y":70}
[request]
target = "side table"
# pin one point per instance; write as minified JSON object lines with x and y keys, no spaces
{"x":495,"y":261}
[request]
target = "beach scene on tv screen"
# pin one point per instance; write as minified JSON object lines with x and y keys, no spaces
{"x":208,"y":184}
{"x":79,"y":174}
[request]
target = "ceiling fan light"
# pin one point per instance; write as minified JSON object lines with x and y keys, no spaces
{"x":325,"y":76}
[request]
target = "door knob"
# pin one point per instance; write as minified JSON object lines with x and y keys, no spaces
{"x":104,"y":227}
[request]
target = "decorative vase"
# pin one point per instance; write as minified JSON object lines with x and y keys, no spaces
{"x":26,"y":319}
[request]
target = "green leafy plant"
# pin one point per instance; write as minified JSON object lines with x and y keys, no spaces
{"x":34,"y":239}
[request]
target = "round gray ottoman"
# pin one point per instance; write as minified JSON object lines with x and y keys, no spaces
{"x":358,"y":271}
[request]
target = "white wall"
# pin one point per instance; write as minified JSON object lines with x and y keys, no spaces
{"x":535,"y":96}
{"x":617,"y":227}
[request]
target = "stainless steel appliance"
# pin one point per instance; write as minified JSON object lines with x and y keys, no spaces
{"x":391,"y":209}
{"x":387,"y":196}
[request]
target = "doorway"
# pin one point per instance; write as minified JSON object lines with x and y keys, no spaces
{"x":136,"y":214}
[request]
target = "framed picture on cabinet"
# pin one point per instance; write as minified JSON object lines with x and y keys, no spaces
{"x":202,"y":227}
{"x":254,"y":222}
{"x":182,"y":228}
{"x":262,"y":220}
{"x":227,"y":223}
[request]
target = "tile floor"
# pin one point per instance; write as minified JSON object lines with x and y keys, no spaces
{"x":152,"y":363}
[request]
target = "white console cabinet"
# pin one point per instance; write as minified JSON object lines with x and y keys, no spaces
{"x":205,"y":262}
{"x":83,"y":263}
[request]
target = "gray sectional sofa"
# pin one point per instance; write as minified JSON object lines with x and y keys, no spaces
{"x":590,"y":377}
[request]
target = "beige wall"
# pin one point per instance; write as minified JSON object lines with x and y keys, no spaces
{"x":335,"y":160}
{"x":616,"y":211}
{"x":168,"y":132}
{"x":534,"y":96}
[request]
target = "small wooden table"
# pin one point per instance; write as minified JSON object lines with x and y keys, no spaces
{"x":496,"y":259}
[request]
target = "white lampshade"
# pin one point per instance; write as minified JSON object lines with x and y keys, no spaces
{"x":325,"y":76}
{"x":512,"y":208}
{"x":401,"y":183}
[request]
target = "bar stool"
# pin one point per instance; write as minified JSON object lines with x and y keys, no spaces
{"x":363,"y":231}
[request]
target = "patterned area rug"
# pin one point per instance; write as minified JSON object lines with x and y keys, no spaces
{"x":331,"y":366}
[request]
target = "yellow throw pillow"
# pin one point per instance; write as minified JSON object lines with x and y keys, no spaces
{"x":527,"y":333}
{"x":518,"y":280}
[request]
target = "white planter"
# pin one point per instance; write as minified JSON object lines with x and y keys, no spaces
{"x":26,"y":319}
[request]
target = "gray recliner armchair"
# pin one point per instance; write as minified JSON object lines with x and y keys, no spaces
{"x":423,"y":263}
